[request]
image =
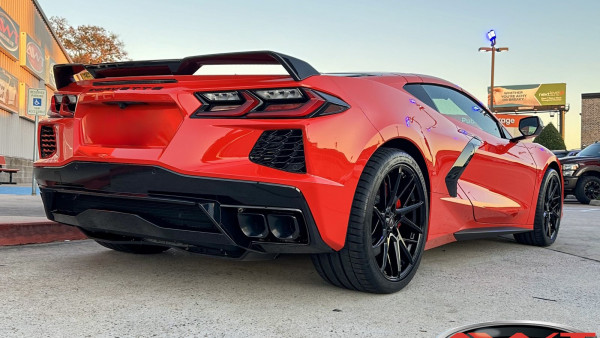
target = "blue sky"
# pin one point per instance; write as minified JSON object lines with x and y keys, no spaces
{"x":550,"y":41}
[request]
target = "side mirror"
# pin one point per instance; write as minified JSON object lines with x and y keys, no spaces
{"x":529,"y":126}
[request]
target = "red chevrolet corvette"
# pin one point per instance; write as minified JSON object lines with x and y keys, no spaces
{"x":363,"y":171}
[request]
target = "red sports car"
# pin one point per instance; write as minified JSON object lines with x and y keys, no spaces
{"x":363,"y":171}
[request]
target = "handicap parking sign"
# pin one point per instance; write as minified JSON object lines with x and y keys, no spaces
{"x":36,"y":101}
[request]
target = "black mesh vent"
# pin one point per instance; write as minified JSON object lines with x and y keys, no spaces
{"x":47,"y":141}
{"x":280,"y":149}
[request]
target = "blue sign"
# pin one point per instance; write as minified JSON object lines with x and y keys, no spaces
{"x":37,"y":102}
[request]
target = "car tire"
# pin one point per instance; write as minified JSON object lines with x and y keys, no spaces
{"x":378,"y":223}
{"x":142,"y":249}
{"x":587,"y":189}
{"x":547,"y":213}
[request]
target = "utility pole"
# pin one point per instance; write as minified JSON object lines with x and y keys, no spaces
{"x":492,"y":37}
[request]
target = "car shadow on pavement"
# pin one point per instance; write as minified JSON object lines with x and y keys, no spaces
{"x":200,"y":274}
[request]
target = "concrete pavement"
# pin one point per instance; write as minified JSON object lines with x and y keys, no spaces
{"x":23,"y":221}
{"x":81,"y":289}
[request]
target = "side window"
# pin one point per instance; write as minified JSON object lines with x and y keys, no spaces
{"x":457,"y":106}
{"x":417,"y":91}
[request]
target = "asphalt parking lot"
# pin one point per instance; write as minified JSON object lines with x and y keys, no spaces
{"x":78,"y":289}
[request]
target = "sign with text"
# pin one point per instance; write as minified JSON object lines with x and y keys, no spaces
{"x":9,"y":35}
{"x":36,"y":101}
{"x":50,"y":72}
{"x":510,"y":121}
{"x":32,"y":56}
{"x":9,"y":89}
{"x":530,"y":97}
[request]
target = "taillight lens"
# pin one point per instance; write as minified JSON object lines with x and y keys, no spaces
{"x":269,"y":103}
{"x":62,"y":105}
{"x":225,"y":104}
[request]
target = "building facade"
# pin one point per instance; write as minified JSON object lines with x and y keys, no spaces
{"x":590,"y":118}
{"x":28,"y":50}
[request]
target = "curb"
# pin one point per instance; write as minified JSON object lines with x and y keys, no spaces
{"x":36,"y":232}
{"x":595,"y":202}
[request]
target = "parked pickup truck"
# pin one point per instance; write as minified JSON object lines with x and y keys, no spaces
{"x":581,"y":174}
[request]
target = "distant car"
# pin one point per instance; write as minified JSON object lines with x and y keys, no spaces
{"x":582,"y":174}
{"x":561,"y":153}
{"x":363,"y":171}
{"x":565,"y":153}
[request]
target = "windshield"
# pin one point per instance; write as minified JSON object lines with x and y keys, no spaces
{"x":591,"y":150}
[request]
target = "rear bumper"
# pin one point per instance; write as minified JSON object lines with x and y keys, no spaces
{"x":133,"y":203}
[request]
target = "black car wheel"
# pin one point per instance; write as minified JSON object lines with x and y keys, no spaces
{"x":547,"y":214}
{"x":588,"y":189}
{"x":143,"y":249}
{"x":387,"y":228}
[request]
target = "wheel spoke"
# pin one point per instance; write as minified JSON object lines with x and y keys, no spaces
{"x":411,"y":224}
{"x":397,"y":249}
{"x":405,"y":210}
{"x":409,"y":184}
{"x":382,"y":239}
{"x":404,"y":249}
{"x":396,"y":186}
{"x":386,"y":192}
{"x":380,"y":218}
{"x":554,"y":187}
{"x":384,"y":256}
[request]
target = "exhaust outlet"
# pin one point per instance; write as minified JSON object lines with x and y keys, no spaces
{"x":253,"y":225}
{"x":284,"y":227}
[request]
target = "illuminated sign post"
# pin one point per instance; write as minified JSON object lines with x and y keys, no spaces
{"x":491,"y":35}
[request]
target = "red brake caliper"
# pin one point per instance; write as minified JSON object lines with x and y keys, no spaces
{"x":398,"y":205}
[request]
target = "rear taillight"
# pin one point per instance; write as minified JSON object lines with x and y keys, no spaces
{"x":268,"y":103}
{"x":62,"y":105}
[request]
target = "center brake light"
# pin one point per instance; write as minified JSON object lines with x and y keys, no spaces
{"x":268,"y":103}
{"x":62,"y":105}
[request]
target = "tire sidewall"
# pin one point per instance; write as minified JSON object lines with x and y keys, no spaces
{"x":539,"y":219}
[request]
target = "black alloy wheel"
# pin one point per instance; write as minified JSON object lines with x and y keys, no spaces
{"x":397,"y":222}
{"x":592,"y":190}
{"x":387,"y":228}
{"x":587,"y":189}
{"x":547,"y":214}
{"x":552,"y":207}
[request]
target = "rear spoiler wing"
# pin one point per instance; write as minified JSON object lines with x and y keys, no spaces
{"x":298,"y":69}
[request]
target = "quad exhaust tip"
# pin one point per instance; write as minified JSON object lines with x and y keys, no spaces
{"x":281,"y":226}
{"x":284,"y":227}
{"x":253,"y":225}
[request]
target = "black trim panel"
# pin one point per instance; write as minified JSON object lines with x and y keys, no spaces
{"x":478,"y":233}
{"x":460,"y":165}
{"x":152,"y":184}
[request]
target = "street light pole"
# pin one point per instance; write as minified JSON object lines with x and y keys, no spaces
{"x":492,"y":37}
